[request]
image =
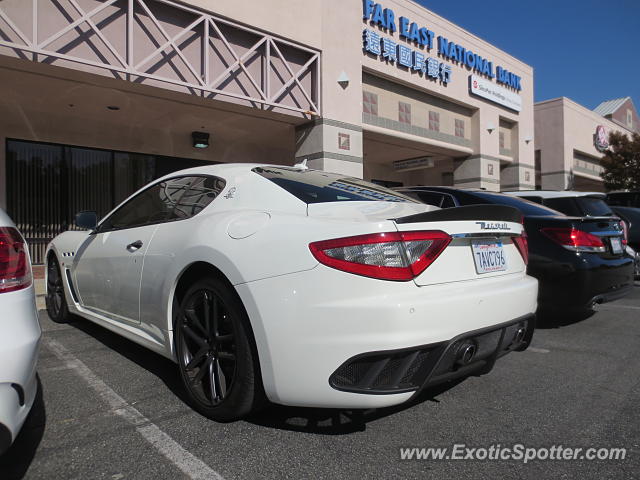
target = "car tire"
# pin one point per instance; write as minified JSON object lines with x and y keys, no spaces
{"x":214,"y":348}
{"x":55,"y":299}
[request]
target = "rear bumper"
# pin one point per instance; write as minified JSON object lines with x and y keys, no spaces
{"x":417,"y":368}
{"x":307,"y":324}
{"x":583,"y":280}
{"x":18,"y":357}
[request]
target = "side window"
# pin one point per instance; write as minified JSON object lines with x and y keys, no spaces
{"x":202,"y":191}
{"x":448,"y":202}
{"x":431,"y":198}
{"x":155,"y":204}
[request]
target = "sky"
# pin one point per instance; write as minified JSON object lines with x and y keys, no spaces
{"x":586,"y":50}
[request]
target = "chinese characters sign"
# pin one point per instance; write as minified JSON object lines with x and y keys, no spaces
{"x":404,"y":56}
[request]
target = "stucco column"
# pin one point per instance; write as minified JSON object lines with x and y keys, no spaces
{"x":477,"y":171}
{"x":519,"y":175}
{"x":480,"y":170}
{"x":331,"y":146}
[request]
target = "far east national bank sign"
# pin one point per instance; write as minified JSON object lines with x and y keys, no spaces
{"x":502,"y":92}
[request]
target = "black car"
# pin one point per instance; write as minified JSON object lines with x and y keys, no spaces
{"x":594,"y":205}
{"x":624,"y":199}
{"x":631,"y":216}
{"x":578,"y":261}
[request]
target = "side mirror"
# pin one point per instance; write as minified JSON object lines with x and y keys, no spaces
{"x":86,"y":219}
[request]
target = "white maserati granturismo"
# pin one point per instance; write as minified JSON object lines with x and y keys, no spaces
{"x":298,"y":286}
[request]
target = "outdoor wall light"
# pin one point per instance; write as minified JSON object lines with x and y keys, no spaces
{"x":528,"y":139}
{"x":490,"y":127}
{"x":200,"y":139}
{"x":343,"y":80}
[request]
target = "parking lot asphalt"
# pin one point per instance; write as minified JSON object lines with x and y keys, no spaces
{"x":108,"y":408}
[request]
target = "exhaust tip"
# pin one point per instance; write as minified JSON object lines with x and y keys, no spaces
{"x":466,"y":352}
{"x":520,"y":334}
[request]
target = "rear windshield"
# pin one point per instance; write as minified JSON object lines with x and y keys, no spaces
{"x":624,"y":199}
{"x":525,"y":206}
{"x":594,"y":207}
{"x":315,"y":186}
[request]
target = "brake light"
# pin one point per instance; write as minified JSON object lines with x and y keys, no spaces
{"x":399,"y":256}
{"x":575,"y":240}
{"x":625,"y":231}
{"x":15,"y":271}
{"x":522,"y":244}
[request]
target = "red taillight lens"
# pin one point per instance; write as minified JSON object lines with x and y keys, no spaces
{"x":625,"y":231}
{"x":15,"y":271}
{"x":400,"y":256}
{"x":576,"y":240}
{"x":522,"y":244}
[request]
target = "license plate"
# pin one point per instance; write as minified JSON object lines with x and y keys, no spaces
{"x":616,"y":245}
{"x":488,"y":256}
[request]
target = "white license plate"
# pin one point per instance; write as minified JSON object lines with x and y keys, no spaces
{"x":616,"y":245}
{"x":488,"y":256}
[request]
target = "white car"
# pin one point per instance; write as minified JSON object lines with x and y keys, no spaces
{"x":19,"y":333}
{"x":309,"y":287}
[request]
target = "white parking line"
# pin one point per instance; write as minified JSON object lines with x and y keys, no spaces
{"x":190,"y":465}
{"x":538,"y":350}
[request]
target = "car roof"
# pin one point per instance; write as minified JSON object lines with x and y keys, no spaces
{"x":554,"y":193}
{"x":440,"y":187}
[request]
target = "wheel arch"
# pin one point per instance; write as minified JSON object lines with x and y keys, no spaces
{"x":189,"y":274}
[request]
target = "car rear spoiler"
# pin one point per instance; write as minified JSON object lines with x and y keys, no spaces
{"x":499,"y":213}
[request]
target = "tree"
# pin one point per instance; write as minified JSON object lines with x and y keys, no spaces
{"x":621,"y":162}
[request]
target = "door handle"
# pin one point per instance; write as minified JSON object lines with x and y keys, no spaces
{"x":132,"y":247}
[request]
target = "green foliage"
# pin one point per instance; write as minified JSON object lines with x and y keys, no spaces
{"x":621,"y":162}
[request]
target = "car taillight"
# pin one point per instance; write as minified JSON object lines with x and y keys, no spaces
{"x":400,"y":256}
{"x":522,"y":245}
{"x":625,"y":231}
{"x":575,"y":240}
{"x":15,"y":271}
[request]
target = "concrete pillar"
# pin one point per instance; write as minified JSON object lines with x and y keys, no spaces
{"x":331,"y":146}
{"x":482,"y":169}
{"x":518,"y":176}
{"x":561,"y":180}
{"x":477,"y":171}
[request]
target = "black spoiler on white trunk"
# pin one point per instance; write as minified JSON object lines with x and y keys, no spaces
{"x":497,"y":213}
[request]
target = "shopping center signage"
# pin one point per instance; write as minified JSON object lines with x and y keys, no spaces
{"x":423,"y":38}
{"x":600,"y":138}
{"x":484,"y":88}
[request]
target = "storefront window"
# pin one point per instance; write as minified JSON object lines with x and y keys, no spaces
{"x":48,"y":184}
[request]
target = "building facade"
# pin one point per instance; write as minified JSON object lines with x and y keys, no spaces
{"x":570,"y":140}
{"x":101,"y":96}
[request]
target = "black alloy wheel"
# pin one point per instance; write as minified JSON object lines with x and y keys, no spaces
{"x":55,"y":300}
{"x":216,"y":360}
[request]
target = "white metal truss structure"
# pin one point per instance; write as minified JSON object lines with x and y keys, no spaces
{"x":165,"y":44}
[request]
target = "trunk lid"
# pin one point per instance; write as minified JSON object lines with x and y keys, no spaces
{"x":482,"y":244}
